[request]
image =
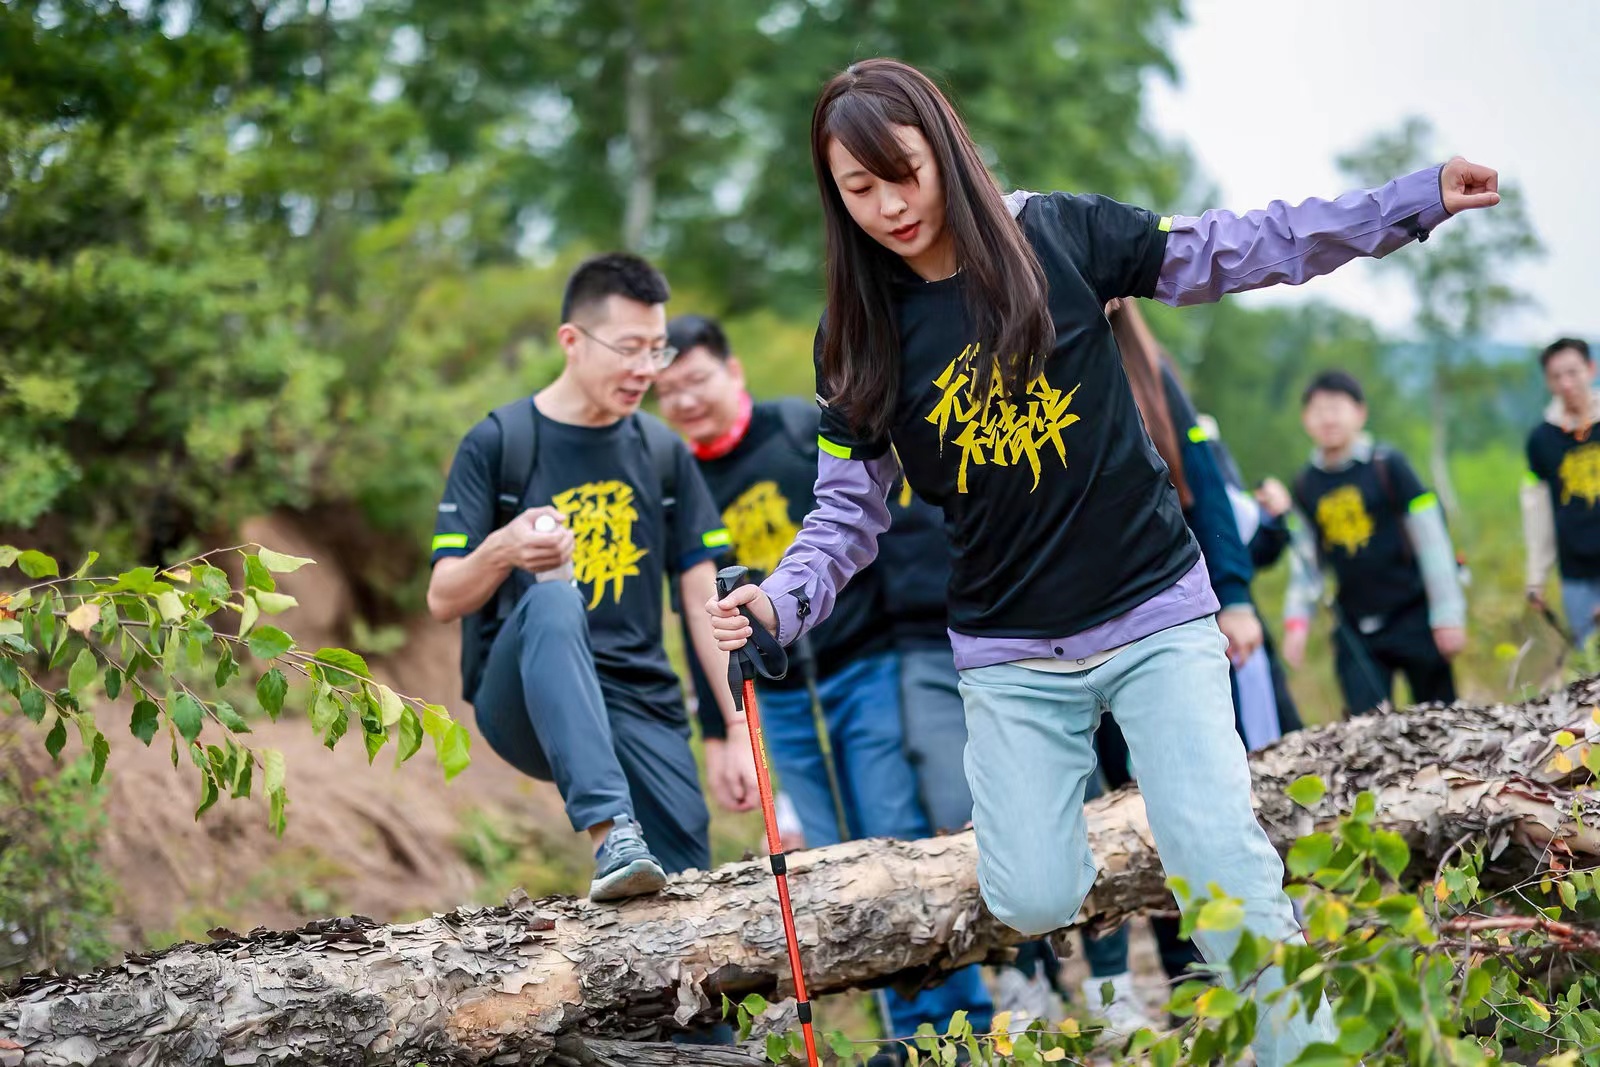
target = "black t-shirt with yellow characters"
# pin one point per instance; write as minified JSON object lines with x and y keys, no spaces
{"x":1359,"y":523}
{"x":1059,"y":510}
{"x":604,"y":481}
{"x":1569,"y":466}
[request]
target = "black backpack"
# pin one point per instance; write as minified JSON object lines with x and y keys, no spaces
{"x":799,"y":421}
{"x":800,"y":424}
{"x":518,"y":456}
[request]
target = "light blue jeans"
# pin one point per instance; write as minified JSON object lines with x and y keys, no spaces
{"x":1030,"y":751}
{"x":1580,"y":598}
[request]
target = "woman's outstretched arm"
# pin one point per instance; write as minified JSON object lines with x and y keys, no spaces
{"x":1288,"y":244}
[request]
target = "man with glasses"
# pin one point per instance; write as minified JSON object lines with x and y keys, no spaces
{"x":562,"y":517}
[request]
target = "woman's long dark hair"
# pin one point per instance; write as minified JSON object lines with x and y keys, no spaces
{"x":1143,"y":360}
{"x":1004,"y":286}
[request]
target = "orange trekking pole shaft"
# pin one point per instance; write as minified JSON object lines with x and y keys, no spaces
{"x":767,"y":658}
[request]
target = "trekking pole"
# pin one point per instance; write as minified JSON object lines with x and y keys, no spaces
{"x":763,"y":655}
{"x":1568,"y":645}
{"x":1555,"y":624}
{"x":819,"y":719}
{"x":1363,"y":659}
{"x":807,"y":658}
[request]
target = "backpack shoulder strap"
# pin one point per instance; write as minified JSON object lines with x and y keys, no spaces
{"x":661,"y":444}
{"x":519,"y":452}
{"x":1381,"y":457}
{"x":800,"y":423}
{"x":1298,"y":492}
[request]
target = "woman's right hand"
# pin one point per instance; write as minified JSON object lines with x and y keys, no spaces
{"x":729,"y":627}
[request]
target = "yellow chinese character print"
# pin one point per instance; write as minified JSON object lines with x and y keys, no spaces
{"x":1580,"y":474}
{"x":758,"y":524}
{"x":601,"y":516}
{"x":1342,"y":517}
{"x":996,"y":428}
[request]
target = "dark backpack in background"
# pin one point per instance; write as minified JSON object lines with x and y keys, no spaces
{"x":801,"y":423}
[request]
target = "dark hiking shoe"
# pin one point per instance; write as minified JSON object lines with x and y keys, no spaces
{"x":624,"y":867}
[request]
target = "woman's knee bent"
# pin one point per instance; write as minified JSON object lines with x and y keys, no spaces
{"x":1037,"y":901}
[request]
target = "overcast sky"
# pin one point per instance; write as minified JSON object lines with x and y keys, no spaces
{"x":1272,"y":91}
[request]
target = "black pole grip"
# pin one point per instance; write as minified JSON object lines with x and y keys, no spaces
{"x":741,"y":665}
{"x":729,"y":579}
{"x":761,"y":655}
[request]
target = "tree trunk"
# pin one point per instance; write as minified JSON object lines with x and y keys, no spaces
{"x":640,"y":207}
{"x":1439,"y":430}
{"x":551,"y":981}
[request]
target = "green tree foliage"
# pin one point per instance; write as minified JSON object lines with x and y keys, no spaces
{"x":55,"y":900}
{"x":682,"y":127}
{"x":173,"y":641}
{"x":205,"y":279}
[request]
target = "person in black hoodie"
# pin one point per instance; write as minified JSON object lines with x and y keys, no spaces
{"x":760,"y":461}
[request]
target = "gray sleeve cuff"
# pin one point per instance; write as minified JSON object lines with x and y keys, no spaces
{"x":1436,"y":558}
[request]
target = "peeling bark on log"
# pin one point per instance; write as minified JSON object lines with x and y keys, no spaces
{"x":555,"y":980}
{"x":599,"y":1052}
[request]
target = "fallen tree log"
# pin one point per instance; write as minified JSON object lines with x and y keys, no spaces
{"x":556,"y":980}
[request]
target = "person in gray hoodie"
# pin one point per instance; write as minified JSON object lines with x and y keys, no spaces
{"x":1561,"y":491}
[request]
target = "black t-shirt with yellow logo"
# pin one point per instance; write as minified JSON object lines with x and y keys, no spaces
{"x":604,"y":481}
{"x":1570,"y":467}
{"x":764,"y":490}
{"x":1360,"y":530}
{"x":1059,"y":510}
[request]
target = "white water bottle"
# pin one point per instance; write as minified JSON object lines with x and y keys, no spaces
{"x":563,"y":573}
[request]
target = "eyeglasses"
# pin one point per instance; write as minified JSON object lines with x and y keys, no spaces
{"x":636,"y":351}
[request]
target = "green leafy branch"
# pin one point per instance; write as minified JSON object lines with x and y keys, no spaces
{"x":145,"y":632}
{"x":1438,"y":971}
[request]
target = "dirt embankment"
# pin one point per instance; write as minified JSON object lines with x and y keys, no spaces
{"x":374,"y":840}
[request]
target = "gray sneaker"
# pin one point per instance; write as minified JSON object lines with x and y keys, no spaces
{"x":624,"y":866}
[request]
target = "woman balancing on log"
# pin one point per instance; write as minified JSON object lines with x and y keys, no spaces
{"x":964,"y":339}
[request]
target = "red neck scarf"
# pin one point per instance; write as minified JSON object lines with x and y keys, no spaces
{"x":720,"y":446}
